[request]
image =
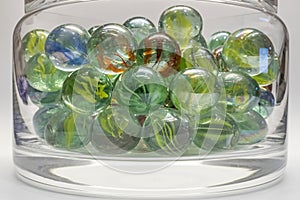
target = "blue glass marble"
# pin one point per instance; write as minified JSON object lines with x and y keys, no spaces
{"x":111,"y":48}
{"x":252,"y":126}
{"x":181,"y":22}
{"x":42,"y":117}
{"x":141,"y":27}
{"x":266,"y":103}
{"x":66,"y":47}
{"x":160,"y":52}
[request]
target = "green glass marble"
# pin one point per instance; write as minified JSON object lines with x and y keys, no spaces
{"x":141,"y":27}
{"x":111,"y":48}
{"x":197,"y":56}
{"x":217,"y":39}
{"x":199,"y":40}
{"x":42,"y":75}
{"x":68,"y":130}
{"x":109,"y":135}
{"x":248,"y":50}
{"x":41,"y":99}
{"x":194,"y":90}
{"x":160,"y":52}
{"x":216,"y":130}
{"x":181,"y":22}
{"x":167,"y":131}
{"x":252,"y":126}
{"x":141,"y":90}
{"x":87,"y":91}
{"x":34,"y":42}
{"x":42,"y":117}
{"x":93,"y":29}
{"x":270,"y":74}
{"x":242,"y":91}
{"x":266,"y":103}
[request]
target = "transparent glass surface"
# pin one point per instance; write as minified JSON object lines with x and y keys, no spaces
{"x":138,"y":127}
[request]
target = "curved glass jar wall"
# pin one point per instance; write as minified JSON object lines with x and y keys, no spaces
{"x":189,"y":94}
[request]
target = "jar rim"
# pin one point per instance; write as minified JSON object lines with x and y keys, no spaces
{"x":263,"y":5}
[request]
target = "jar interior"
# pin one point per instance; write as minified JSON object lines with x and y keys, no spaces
{"x":193,"y":172}
{"x":216,"y":17}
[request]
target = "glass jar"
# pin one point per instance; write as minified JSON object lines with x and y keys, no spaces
{"x":150,"y":98}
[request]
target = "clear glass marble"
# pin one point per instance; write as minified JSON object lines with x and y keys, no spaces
{"x":150,"y":98}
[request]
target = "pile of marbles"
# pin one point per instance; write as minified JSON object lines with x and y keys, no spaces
{"x":120,"y":88}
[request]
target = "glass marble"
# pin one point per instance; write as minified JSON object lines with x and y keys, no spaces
{"x":194,"y":90}
{"x":219,"y":60}
{"x":93,"y":29}
{"x":34,"y":42}
{"x":216,"y":130}
{"x":241,"y":90}
{"x":41,"y":99}
{"x":111,"y":48}
{"x":252,"y":126}
{"x":181,"y":22}
{"x":197,"y":56}
{"x":42,"y":75}
{"x":160,"y":52}
{"x":167,"y":131}
{"x":141,"y":27}
{"x":248,"y":50}
{"x":68,"y":130}
{"x":66,"y":47}
{"x":270,"y":74}
{"x":87,"y":91}
{"x":199,"y":40}
{"x":42,"y":117}
{"x":217,"y":39}
{"x":140,"y":90}
{"x":109,"y":133}
{"x":266,"y":103}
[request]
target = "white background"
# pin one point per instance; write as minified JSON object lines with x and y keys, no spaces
{"x":11,"y":188}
